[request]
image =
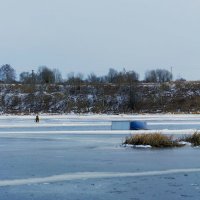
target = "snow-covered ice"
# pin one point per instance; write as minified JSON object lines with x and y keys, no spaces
{"x":80,"y":157}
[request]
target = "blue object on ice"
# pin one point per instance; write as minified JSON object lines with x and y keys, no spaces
{"x":138,"y":125}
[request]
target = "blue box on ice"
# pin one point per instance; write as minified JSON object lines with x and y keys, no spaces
{"x":129,"y":125}
{"x":138,"y":125}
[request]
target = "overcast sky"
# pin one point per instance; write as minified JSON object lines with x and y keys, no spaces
{"x":95,"y":35}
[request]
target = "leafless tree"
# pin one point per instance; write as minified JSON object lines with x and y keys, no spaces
{"x":158,"y":76}
{"x":25,"y":77}
{"x":7,"y":73}
{"x":57,"y":76}
{"x":45,"y":75}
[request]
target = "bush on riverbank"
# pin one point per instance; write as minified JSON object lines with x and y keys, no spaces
{"x":194,"y":139}
{"x":156,"y":140}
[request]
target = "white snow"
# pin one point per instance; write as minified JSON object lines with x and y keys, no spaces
{"x":107,"y":132}
{"x":92,"y":175}
{"x":137,"y":146}
{"x":64,"y":122}
{"x":185,"y":143}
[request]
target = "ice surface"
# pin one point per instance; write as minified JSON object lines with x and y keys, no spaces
{"x":80,"y":157}
{"x":92,"y":175}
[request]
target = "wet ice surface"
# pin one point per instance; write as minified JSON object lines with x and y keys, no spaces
{"x":42,"y":155}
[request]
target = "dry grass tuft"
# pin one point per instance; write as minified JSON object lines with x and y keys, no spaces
{"x":157,"y":140}
{"x":194,"y":139}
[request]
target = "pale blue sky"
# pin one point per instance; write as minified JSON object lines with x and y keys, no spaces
{"x":94,"y":35}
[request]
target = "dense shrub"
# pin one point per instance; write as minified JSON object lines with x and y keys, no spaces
{"x":193,"y":139}
{"x":155,"y":140}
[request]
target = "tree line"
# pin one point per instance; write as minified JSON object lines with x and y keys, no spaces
{"x":45,"y":75}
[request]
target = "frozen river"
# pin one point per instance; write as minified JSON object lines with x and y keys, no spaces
{"x":79,"y":157}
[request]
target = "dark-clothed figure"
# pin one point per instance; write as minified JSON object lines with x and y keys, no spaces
{"x":37,"y":118}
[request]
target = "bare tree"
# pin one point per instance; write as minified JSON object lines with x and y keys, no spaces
{"x":126,"y":77}
{"x":45,"y":75}
{"x":132,"y":76}
{"x":163,"y":75}
{"x":25,"y":77}
{"x":150,"y":76}
{"x":158,"y":76}
{"x":112,"y":75}
{"x":7,"y":73}
{"x":75,"y":79}
{"x":93,"y":78}
{"x":57,"y":76}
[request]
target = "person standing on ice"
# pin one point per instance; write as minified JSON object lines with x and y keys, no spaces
{"x":37,"y":119}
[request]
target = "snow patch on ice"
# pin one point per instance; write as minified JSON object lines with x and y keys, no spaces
{"x":137,"y":146}
{"x":185,"y":143}
{"x":92,"y":175}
